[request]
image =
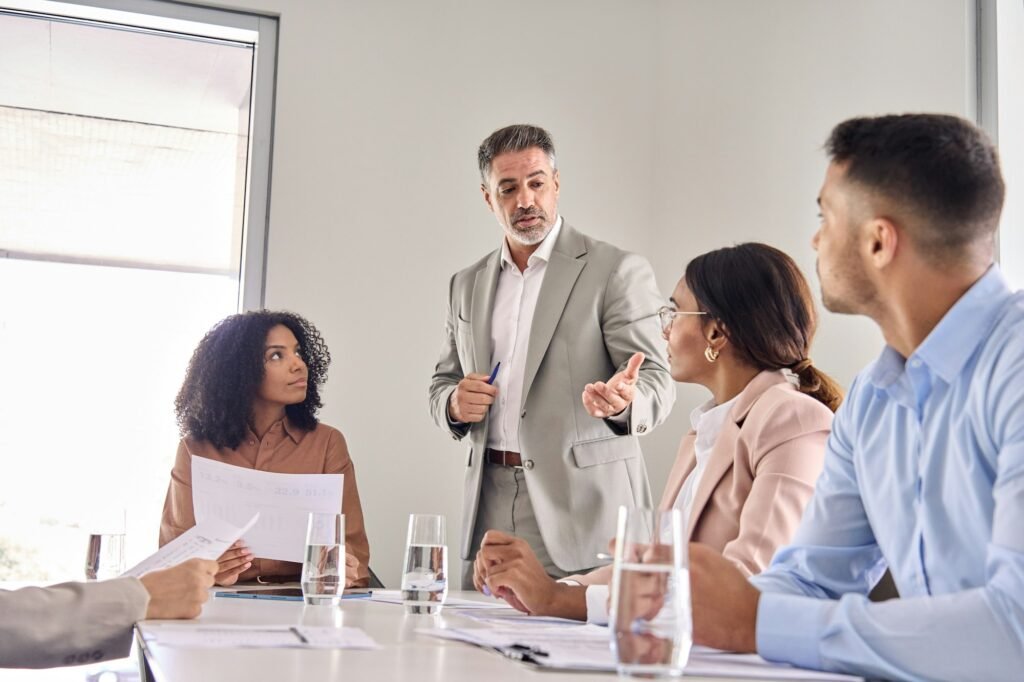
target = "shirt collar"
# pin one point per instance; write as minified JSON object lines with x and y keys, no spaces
{"x":954,"y":339}
{"x":710,"y":414}
{"x":289,"y":428}
{"x":293,"y":431}
{"x":543,"y":251}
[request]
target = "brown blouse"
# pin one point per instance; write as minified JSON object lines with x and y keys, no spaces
{"x":285,"y":449}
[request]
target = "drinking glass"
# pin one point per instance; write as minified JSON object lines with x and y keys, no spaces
{"x":104,"y":552}
{"x":425,"y":575}
{"x":323,"y":569}
{"x":650,"y":622}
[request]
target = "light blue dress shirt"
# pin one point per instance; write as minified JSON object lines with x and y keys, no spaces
{"x":924,"y":473}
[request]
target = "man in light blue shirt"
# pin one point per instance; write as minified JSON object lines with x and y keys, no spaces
{"x":924,"y":470}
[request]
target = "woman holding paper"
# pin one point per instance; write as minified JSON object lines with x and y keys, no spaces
{"x":250,"y":398}
{"x":740,"y":324}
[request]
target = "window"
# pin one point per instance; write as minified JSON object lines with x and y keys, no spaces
{"x":1010,"y":112}
{"x":1000,"y":110}
{"x":133,"y":203}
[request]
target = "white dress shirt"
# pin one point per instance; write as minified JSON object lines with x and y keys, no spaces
{"x":707,"y":420}
{"x":515,"y":301}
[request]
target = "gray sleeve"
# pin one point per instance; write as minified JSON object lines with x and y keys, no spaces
{"x":447,"y":374}
{"x":70,"y":623}
{"x":630,"y":325}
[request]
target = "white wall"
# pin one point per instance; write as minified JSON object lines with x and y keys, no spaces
{"x":375,"y":199}
{"x":748,"y":95}
{"x":681,"y":126}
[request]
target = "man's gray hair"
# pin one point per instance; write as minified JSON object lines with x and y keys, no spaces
{"x":514,"y":138}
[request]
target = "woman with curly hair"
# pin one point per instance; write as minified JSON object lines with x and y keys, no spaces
{"x":250,"y":399}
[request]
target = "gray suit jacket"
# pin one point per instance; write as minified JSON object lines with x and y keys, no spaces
{"x":596,"y":307}
{"x":69,"y":624}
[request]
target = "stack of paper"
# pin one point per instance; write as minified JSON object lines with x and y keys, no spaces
{"x":587,"y":647}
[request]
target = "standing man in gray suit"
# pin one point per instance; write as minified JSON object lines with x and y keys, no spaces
{"x":573,"y":322}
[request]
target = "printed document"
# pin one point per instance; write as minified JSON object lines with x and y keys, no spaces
{"x":283,"y":502}
{"x":255,"y":636}
{"x":587,"y":647}
{"x":395,"y":597}
{"x":206,"y":540}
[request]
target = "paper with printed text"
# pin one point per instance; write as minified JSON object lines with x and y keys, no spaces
{"x":283,"y":502}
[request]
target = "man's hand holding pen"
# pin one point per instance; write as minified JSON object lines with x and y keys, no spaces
{"x":472,"y":397}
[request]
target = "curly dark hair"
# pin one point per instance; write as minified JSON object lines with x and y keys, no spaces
{"x":226,"y":370}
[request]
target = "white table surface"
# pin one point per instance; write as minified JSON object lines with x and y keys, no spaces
{"x":404,"y":653}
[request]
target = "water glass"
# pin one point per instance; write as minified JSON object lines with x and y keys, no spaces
{"x":104,"y":553}
{"x":323,"y":569}
{"x":104,"y":556}
{"x":425,"y":573}
{"x":650,"y":621}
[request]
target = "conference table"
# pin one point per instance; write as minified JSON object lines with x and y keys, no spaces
{"x":404,"y":653}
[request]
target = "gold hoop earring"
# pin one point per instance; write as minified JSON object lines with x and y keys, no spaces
{"x":710,"y":354}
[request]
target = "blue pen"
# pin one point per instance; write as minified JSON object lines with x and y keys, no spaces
{"x":494,"y":374}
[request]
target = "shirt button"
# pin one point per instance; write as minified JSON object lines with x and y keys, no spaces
{"x":523,"y":415}
{"x":528,"y":464}
{"x":642,"y":428}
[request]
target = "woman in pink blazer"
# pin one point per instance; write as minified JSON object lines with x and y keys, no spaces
{"x":741,"y":324}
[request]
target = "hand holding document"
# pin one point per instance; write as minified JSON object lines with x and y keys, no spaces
{"x":205,"y":540}
{"x":283,"y":502}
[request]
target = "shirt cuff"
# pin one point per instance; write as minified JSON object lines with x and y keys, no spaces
{"x":790,"y":628}
{"x":597,"y":604}
{"x":622,"y":418}
{"x":452,"y":424}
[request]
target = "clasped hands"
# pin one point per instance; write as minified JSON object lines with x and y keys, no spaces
{"x":724,"y":602}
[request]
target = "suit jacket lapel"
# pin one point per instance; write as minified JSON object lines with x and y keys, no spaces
{"x":719,"y":462}
{"x":723,"y":452}
{"x":484,"y":288}
{"x":560,"y":276}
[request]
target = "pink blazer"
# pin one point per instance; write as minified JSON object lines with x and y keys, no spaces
{"x":759,"y":477}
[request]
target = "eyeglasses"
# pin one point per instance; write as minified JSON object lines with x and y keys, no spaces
{"x":667,"y":315}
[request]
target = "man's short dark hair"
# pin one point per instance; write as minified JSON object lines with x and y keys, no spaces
{"x":942,"y":168}
{"x":514,"y":138}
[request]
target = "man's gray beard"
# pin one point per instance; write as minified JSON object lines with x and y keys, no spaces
{"x":529,"y":237}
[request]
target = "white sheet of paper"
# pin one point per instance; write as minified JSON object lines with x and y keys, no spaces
{"x":283,"y":501}
{"x":206,"y":540}
{"x":507,"y":617}
{"x":587,"y":647}
{"x":395,"y":597}
{"x":255,"y":636}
